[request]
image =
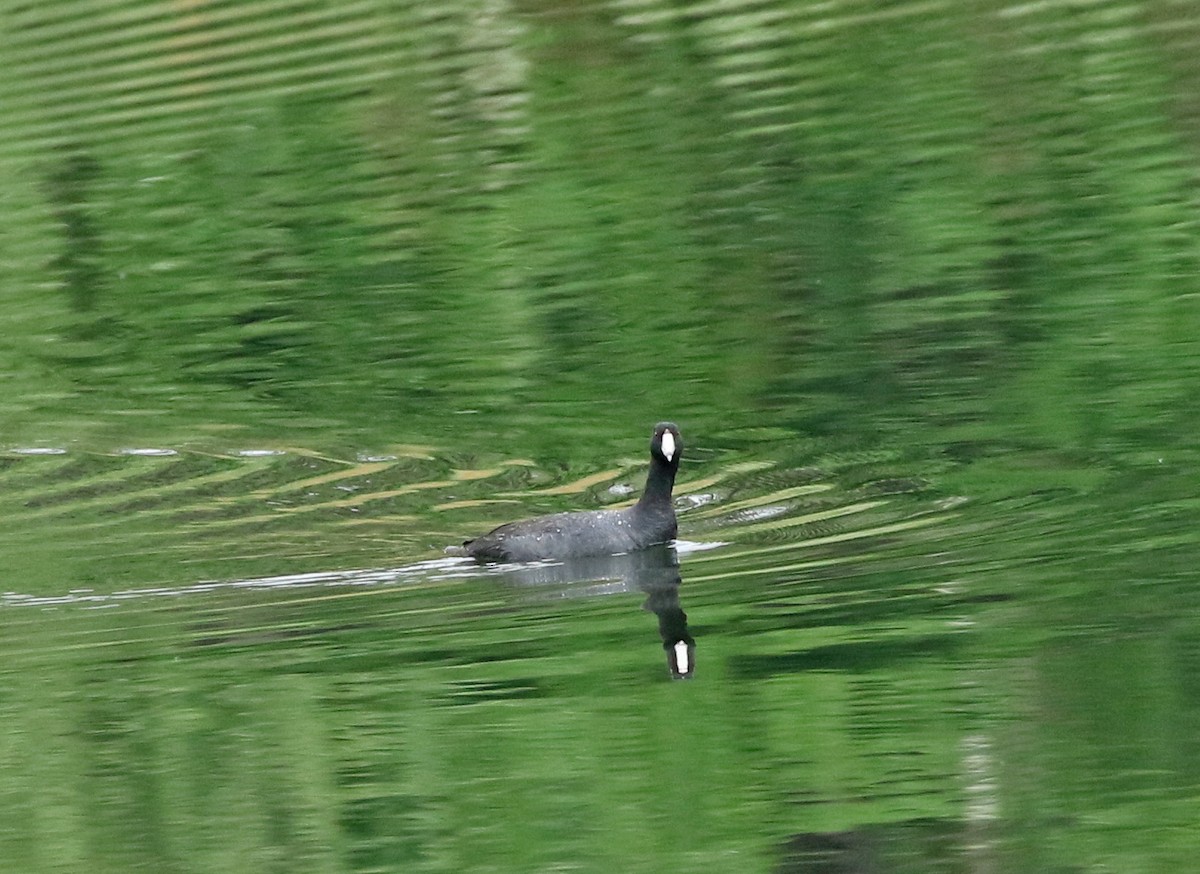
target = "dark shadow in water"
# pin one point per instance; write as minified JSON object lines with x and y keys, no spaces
{"x":67,"y":188}
{"x":654,"y":571}
{"x":921,"y":845}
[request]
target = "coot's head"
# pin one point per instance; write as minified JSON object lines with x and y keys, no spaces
{"x":666,"y":444}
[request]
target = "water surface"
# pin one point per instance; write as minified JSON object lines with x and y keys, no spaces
{"x":295,"y":297}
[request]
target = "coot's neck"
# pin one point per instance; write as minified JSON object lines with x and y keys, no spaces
{"x":659,"y":483}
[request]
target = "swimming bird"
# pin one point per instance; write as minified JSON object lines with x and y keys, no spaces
{"x":596,"y":532}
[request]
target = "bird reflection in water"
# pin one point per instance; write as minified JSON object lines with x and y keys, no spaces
{"x":654,"y":571}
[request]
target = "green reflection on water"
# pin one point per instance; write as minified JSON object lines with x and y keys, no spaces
{"x":391,"y":726}
{"x":918,"y":282}
{"x":897,"y":220}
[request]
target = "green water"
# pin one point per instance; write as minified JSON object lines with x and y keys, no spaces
{"x":297,"y":294}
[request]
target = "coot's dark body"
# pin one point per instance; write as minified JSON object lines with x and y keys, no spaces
{"x":596,"y":532}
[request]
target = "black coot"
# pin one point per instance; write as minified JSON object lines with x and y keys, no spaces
{"x":596,"y":532}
